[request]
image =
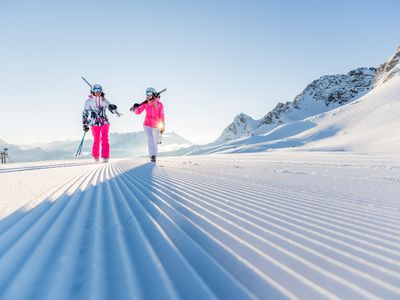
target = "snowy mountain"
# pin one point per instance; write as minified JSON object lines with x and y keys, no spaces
{"x":389,"y":69}
{"x":323,"y":94}
{"x":241,"y":125}
{"x":369,"y":124}
{"x":353,"y":112}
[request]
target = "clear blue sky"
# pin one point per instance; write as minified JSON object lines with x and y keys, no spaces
{"x":217,"y":58}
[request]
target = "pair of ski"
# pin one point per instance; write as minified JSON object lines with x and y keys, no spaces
{"x":157,"y":95}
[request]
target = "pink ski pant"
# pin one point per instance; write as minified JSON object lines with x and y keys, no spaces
{"x":100,"y":134}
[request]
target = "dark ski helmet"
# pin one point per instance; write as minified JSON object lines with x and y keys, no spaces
{"x":96,"y":88}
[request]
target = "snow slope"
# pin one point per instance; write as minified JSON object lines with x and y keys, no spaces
{"x":212,"y":227}
{"x":322,"y":95}
{"x":352,"y":112}
{"x":369,"y":124}
{"x":388,"y":70}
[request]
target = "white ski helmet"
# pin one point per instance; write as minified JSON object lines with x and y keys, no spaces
{"x":151,"y":91}
{"x":97,"y":88}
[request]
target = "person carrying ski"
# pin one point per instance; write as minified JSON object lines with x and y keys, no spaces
{"x":94,"y":116}
{"x":154,"y":122}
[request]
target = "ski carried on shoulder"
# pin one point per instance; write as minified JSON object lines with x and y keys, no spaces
{"x":157,"y":95}
{"x":108,"y":102}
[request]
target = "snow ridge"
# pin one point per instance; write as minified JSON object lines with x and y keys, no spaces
{"x":324,"y":94}
{"x":388,"y":70}
{"x":241,"y":125}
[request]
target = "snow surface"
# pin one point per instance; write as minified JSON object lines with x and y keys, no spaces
{"x":275,"y":225}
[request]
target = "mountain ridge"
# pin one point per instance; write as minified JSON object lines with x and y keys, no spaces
{"x":322,"y":94}
{"x":314,"y":119}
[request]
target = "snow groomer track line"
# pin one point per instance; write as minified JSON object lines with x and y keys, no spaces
{"x":176,"y":230}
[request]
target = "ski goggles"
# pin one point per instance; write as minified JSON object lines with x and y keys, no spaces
{"x":97,"y":90}
{"x":149,"y":93}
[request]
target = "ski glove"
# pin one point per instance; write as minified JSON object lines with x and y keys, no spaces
{"x":112,"y":108}
{"x":136,"y":105}
{"x":85,"y":128}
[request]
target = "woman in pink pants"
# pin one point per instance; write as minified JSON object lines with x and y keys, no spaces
{"x":94,"y":115}
{"x":154,"y":122}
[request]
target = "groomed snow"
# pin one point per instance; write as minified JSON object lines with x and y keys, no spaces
{"x":276,"y":225}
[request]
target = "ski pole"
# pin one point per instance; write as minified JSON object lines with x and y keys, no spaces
{"x":116,"y":111}
{"x":79,"y":151}
{"x":159,"y":138}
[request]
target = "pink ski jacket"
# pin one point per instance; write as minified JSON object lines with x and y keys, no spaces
{"x":154,"y":116}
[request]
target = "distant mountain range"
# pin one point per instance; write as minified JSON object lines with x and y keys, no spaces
{"x":121,"y":144}
{"x":314,"y":116}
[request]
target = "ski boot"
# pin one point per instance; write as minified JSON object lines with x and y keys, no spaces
{"x":153,"y":158}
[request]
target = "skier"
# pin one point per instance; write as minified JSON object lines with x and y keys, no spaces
{"x":154,"y":122}
{"x":94,"y":115}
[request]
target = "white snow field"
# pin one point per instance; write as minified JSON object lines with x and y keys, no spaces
{"x":274,"y":225}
